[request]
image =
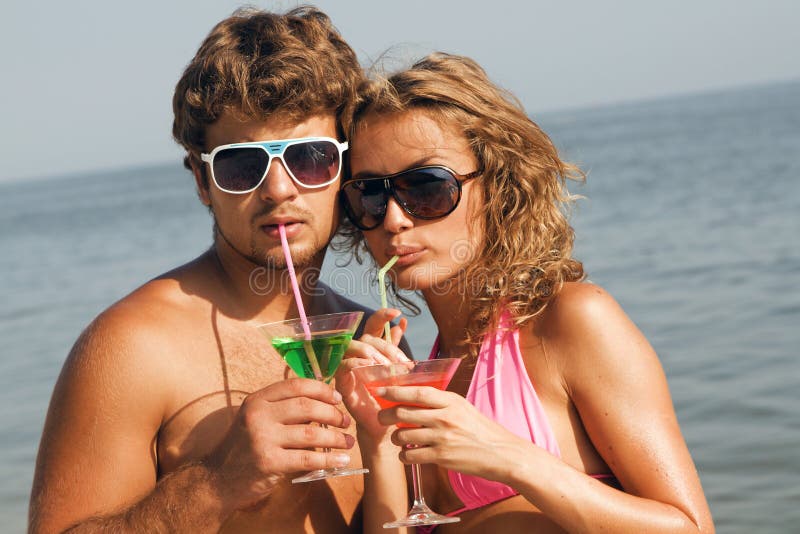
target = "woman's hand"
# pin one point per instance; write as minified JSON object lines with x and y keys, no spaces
{"x":451,"y":432}
{"x":370,"y":349}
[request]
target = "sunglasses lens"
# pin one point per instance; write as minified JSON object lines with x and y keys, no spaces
{"x":240,"y":169}
{"x":365,"y":202}
{"x":313,"y":162}
{"x":427,"y":193}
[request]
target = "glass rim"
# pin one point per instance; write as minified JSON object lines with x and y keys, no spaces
{"x":415,"y":362}
{"x":311,"y":318}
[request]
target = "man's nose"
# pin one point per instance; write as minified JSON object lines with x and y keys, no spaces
{"x":278,"y":186}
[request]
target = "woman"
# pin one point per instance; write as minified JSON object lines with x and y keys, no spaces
{"x":559,"y":417}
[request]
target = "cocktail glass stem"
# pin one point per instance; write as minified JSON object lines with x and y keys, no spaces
{"x":420,"y":513}
{"x":419,"y":499}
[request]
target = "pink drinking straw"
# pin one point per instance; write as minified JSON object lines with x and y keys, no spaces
{"x":293,"y":278}
{"x":299,"y":301}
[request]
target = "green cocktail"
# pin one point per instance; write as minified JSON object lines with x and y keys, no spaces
{"x":328,"y":347}
{"x":315,"y":350}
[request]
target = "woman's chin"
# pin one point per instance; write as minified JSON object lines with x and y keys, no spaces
{"x":424,"y":283}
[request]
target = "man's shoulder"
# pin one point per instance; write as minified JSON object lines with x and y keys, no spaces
{"x":150,"y":314}
{"x":166,"y":296}
{"x":329,"y":301}
{"x":152,"y":305}
{"x":126,"y":364}
{"x":130,"y":326}
{"x":346,"y":304}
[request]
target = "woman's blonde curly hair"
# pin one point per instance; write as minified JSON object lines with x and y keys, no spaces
{"x":525,"y":255}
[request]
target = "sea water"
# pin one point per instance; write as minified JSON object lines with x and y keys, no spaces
{"x":690,"y":219}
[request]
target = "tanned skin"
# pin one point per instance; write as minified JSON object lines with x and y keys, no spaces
{"x":174,"y":414}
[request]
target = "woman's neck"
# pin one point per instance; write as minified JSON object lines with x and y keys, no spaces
{"x":451,"y":314}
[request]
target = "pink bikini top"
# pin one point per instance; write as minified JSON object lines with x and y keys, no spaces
{"x":502,"y":390}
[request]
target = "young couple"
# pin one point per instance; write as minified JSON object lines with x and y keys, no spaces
{"x":173,"y":413}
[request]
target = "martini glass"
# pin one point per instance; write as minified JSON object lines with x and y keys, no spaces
{"x":436,"y":373}
{"x":317,"y":358}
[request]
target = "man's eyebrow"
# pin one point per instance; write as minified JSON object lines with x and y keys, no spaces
{"x":246,"y":139}
{"x":421,"y":162}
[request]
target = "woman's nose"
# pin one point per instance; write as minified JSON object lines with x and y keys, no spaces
{"x":396,"y":219}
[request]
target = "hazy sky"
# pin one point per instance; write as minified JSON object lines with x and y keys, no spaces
{"x":87,"y":85}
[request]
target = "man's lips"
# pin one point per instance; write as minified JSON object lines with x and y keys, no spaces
{"x":293,"y":227}
{"x":275,"y":220}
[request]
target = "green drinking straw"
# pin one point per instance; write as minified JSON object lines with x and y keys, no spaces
{"x":382,"y":288}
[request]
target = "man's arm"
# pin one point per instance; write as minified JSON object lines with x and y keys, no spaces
{"x":97,"y":452}
{"x":97,"y":466}
{"x":183,"y":501}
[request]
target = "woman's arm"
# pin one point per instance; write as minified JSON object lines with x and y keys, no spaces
{"x":618,"y":387}
{"x":385,"y":489}
{"x":620,"y":392}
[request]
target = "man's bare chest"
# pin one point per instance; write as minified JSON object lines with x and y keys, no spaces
{"x":210,"y":384}
{"x":211,"y":378}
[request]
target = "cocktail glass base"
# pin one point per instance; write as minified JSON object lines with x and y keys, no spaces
{"x":320,"y":474}
{"x":420,"y":515}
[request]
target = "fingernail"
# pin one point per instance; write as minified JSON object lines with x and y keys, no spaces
{"x":337,"y":396}
{"x":341,"y":459}
{"x":380,"y":392}
{"x":349,"y":440}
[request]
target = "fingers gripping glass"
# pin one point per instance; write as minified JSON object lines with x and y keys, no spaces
{"x":310,"y":161}
{"x":429,"y":192}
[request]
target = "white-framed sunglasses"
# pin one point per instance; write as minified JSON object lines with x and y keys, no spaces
{"x":311,"y":162}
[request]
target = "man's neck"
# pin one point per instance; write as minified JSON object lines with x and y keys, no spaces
{"x":257,"y":293}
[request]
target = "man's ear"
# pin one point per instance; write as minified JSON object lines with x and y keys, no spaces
{"x":200,"y":180}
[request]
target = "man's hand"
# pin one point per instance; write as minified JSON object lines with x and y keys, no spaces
{"x":272,"y":436}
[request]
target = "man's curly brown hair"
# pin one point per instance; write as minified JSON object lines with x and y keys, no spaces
{"x":256,"y":64}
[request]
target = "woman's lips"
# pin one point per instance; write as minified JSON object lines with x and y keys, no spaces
{"x":407,"y":256}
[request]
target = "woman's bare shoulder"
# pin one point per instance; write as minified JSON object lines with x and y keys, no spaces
{"x":578,"y":306}
{"x":586,"y":328}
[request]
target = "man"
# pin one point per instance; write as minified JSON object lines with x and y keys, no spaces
{"x":172,"y":412}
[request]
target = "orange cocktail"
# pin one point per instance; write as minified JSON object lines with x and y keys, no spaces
{"x":434,"y":373}
{"x":439,"y":380}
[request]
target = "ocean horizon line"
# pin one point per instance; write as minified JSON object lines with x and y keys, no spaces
{"x":534,"y":114}
{"x":669,"y":97}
